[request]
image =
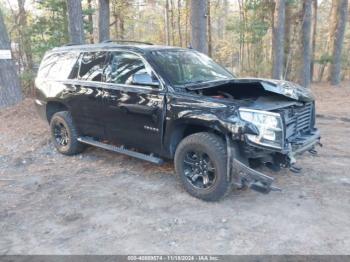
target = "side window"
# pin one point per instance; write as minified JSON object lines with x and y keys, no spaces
{"x":46,"y":64}
{"x":122,"y":66}
{"x":63,"y":68}
{"x":58,"y":66}
{"x":92,"y":65}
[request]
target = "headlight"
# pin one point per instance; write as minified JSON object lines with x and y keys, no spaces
{"x":269,"y":125}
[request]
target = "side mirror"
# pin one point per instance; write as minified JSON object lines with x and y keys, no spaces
{"x":144,"y":79}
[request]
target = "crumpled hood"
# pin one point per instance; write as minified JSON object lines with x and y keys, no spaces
{"x":281,"y":87}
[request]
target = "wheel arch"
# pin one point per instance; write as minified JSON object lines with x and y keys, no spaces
{"x":53,"y":107}
{"x":182,"y":130}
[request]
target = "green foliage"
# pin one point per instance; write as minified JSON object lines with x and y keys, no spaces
{"x":324,"y":59}
{"x":259,"y":20}
{"x":250,"y":28}
{"x":50,"y":28}
{"x":88,"y":26}
{"x":27,"y":81}
{"x":292,"y":2}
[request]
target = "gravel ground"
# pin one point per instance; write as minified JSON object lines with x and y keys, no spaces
{"x":105,"y":203}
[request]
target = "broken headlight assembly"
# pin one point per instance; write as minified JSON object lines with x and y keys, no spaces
{"x":268,"y":124}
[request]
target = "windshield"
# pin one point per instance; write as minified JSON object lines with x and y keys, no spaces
{"x":183,"y":67}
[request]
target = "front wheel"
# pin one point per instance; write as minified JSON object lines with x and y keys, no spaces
{"x":200,"y":161}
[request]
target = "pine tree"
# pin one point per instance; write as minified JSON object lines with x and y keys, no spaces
{"x":278,"y":40}
{"x":103,"y":20}
{"x":75,"y":18}
{"x":305,"y":74}
{"x":342,"y":14}
{"x":199,"y":39}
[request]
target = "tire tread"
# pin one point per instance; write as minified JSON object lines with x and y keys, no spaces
{"x":218,"y":147}
{"x":75,"y":146}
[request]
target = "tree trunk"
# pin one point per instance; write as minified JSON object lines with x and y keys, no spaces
{"x":314,"y":34}
{"x":95,"y":22}
{"x":167,"y":23}
{"x":330,"y":41}
{"x":103,"y":20}
{"x":25,"y":38}
{"x":226,"y":8}
{"x":199,"y":39}
{"x":65,"y":22}
{"x":121,"y":27}
{"x":115,"y":22}
{"x":186,"y":23}
{"x":342,"y":14}
{"x":278,"y":40}
{"x":172,"y":21}
{"x":306,"y":44}
{"x":75,"y":18}
{"x":91,"y":23}
{"x":218,"y":18}
{"x":288,"y":39}
{"x":210,"y":42}
{"x":179,"y":20}
{"x":10,"y":88}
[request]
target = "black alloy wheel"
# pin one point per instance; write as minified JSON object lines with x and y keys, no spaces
{"x":60,"y":134}
{"x":200,"y":161}
{"x":199,"y":169}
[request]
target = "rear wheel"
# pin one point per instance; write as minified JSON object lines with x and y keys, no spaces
{"x":64,"y":134}
{"x":200,"y":161}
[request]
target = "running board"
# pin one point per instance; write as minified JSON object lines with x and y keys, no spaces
{"x":121,"y":150}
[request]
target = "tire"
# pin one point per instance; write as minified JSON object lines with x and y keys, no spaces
{"x":66,"y":141}
{"x":214,"y":185}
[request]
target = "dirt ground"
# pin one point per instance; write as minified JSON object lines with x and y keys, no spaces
{"x":105,"y":203}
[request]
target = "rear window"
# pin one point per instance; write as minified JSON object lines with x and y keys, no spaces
{"x":91,"y":66}
{"x":58,"y":66}
{"x":46,"y":65}
{"x":122,"y":66}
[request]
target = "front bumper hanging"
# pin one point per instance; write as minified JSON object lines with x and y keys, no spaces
{"x":246,"y":176}
{"x":252,"y":178}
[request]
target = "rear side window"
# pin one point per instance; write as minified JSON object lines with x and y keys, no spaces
{"x":122,"y":66}
{"x":91,"y":66}
{"x":58,"y":66}
{"x":46,"y":64}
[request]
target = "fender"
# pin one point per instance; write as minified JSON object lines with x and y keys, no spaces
{"x":186,"y":114}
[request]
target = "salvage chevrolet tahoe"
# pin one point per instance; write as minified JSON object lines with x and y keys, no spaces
{"x":158,"y":103}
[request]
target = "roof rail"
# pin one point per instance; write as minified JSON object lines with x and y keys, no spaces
{"x":126,"y":41}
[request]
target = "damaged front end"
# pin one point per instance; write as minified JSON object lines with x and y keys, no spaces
{"x":271,"y":128}
{"x":269,"y":122}
{"x":243,"y":157}
{"x":241,"y":175}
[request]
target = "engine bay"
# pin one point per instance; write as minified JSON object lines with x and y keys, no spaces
{"x":250,"y":94}
{"x":234,"y":91}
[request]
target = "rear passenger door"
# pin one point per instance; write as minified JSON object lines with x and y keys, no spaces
{"x":86,"y":89}
{"x":133,"y":112}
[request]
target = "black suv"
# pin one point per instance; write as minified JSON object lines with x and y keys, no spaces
{"x":158,"y":102}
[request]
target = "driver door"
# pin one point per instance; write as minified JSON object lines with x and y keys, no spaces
{"x":134,"y":112}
